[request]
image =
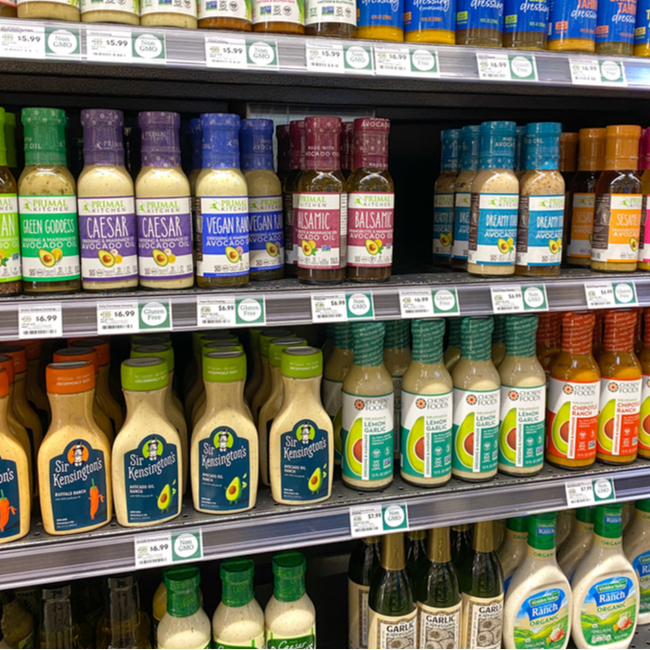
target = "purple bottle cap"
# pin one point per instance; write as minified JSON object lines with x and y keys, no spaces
{"x":197,"y":143}
{"x":220,"y":140}
{"x":160,"y":141}
{"x":103,"y":136}
{"x":256,"y":144}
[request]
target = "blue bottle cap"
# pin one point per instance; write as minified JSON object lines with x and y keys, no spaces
{"x":197,"y":143}
{"x":470,"y":148}
{"x":220,"y":140}
{"x":520,"y":148}
{"x":543,"y":145}
{"x":497,"y":145}
{"x":450,"y":141}
{"x":256,"y":144}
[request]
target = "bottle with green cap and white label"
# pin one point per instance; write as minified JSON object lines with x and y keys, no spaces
{"x":427,"y":411}
{"x":10,"y":267}
{"x":368,"y":412}
{"x":636,"y":545}
{"x":224,"y":447}
{"x":290,"y":616}
{"x":513,"y":550}
{"x":605,"y":588}
{"x":184,"y":625}
{"x":538,"y":607}
{"x":578,"y":543}
{"x":147,"y":464}
{"x":301,"y":442}
{"x":273,"y":404}
{"x":238,"y":621}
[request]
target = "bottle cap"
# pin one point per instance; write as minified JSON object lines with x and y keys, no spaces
{"x":3,"y":145}
{"x":568,"y":151}
{"x":218,"y":346}
{"x":323,"y":143}
{"x":520,"y":148}
{"x":268,"y":335}
{"x":476,"y":337}
{"x":301,"y":362}
{"x":9,"y":365}
{"x":549,"y":329}
{"x":158,"y":351}
{"x":450,"y":150}
{"x":10,"y":140}
{"x":398,"y":334}
{"x":144,"y":373}
{"x":69,"y":377}
{"x":470,"y":148}
{"x":44,"y":136}
{"x":283,"y":136}
{"x":541,"y":531}
{"x":599,"y":326}
{"x":103,"y":133}
{"x":298,"y":144}
{"x":368,"y":343}
{"x":237,"y":582}
{"x":347,"y":146}
{"x":521,"y":331}
{"x":543,"y":145}
{"x":101,"y":346}
{"x":4,"y":382}
{"x":499,"y":331}
{"x":182,"y":586}
{"x":586,"y":515}
{"x":609,"y":520}
{"x":77,"y":354}
{"x":256,"y":144}
{"x":154,"y":339}
{"x":643,"y":505}
{"x":622,"y":147}
{"x":289,"y":572}
{"x":497,"y":145}
{"x":343,"y":338}
{"x":278,"y":345}
{"x":224,"y":366}
{"x":160,"y":139}
{"x":620,"y":325}
{"x":220,"y":140}
{"x":455,"y":332}
{"x":517,"y":524}
{"x":371,"y":143}
{"x":428,"y":334}
{"x":18,"y":354}
{"x":33,"y":348}
{"x":591,"y":150}
{"x":197,"y":143}
{"x":199,"y":339}
{"x":577,"y":332}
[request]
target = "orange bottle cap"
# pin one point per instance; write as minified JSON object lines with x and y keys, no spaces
{"x":101,"y":346}
{"x":568,"y":151}
{"x":4,"y":383}
{"x":622,"y":147}
{"x":77,"y":354}
{"x":549,"y":330}
{"x":9,"y":365}
{"x":646,"y":331}
{"x":591,"y":150}
{"x":619,"y":330}
{"x":70,"y":377}
{"x":598,"y":326}
{"x":638,"y":330}
{"x":32,"y":348}
{"x":18,"y":354}
{"x":577,"y":332}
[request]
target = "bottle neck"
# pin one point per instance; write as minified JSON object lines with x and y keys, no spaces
{"x":439,"y":545}
{"x":219,"y":396}
{"x":73,"y":409}
{"x":299,"y":389}
{"x":153,"y":400}
{"x":124,"y":616}
{"x":392,"y":552}
{"x":57,"y":621}
{"x":483,"y":537}
{"x":4,"y":408}
{"x":20,"y":394}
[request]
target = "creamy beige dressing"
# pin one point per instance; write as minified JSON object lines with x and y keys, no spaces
{"x":636,"y":546}
{"x":287,"y":620}
{"x":566,"y":521}
{"x":575,"y":547}
{"x":451,"y":357}
{"x":512,"y":553}
{"x":239,"y":627}
{"x":396,"y":361}
{"x":189,"y":632}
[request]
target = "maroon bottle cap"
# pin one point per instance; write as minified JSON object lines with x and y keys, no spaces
{"x":644,"y":150}
{"x":371,"y":142}
{"x":283,"y":136}
{"x":347,"y":145}
{"x":322,"y":139}
{"x":297,"y":131}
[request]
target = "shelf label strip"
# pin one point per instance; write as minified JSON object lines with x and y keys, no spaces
{"x":515,"y":298}
{"x":378,"y":519}
{"x":590,"y":492}
{"x":324,"y":57}
{"x":109,"y":46}
{"x":607,"y":295}
{"x":161,"y":549}
{"x":22,"y":42}
{"x":230,"y":312}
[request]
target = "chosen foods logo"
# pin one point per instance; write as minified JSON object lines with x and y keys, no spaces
{"x":471,"y":399}
{"x":612,"y":387}
{"x":359,"y":404}
{"x":568,"y":390}
{"x":420,"y":403}
{"x":513,"y":395}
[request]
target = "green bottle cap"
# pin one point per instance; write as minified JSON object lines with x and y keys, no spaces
{"x":427,"y":339}
{"x":277,"y":345}
{"x":301,"y":362}
{"x":150,"y":339}
{"x":586,"y":515}
{"x":476,"y":338}
{"x":216,"y":335}
{"x":44,"y":134}
{"x":521,"y":335}
{"x":219,"y":346}
{"x":225,"y":366}
{"x":541,"y":531}
{"x":254,"y":334}
{"x":454,"y":332}
{"x":145,"y":373}
{"x":3,"y":141}
{"x":289,"y":571}
{"x":182,"y":586}
{"x":268,"y":335}
{"x":10,"y":140}
{"x":237,"y":582}
{"x":160,"y":351}
{"x":398,"y":335}
{"x":643,"y":505}
{"x":499,"y":332}
{"x":609,"y":520}
{"x":368,"y":343}
{"x":343,"y":338}
{"x":517,"y":524}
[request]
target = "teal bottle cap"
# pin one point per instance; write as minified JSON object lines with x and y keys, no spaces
{"x":268,"y":335}
{"x":301,"y":362}
{"x":145,"y":373}
{"x":160,"y":351}
{"x":277,"y":345}
{"x":609,"y":521}
{"x":497,"y":145}
{"x":428,"y":334}
{"x":237,"y":582}
{"x":368,"y":343}
{"x":517,"y":524}
{"x":44,"y":135}
{"x":521,"y":335}
{"x":586,"y":515}
{"x":398,"y":334}
{"x":289,"y":571}
{"x":541,"y":531}
{"x":182,"y":586}
{"x":225,"y":366}
{"x":455,"y":332}
{"x":470,"y":148}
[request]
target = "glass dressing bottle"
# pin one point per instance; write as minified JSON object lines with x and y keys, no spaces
{"x":10,"y":271}
{"x":56,"y":627}
{"x":513,"y":549}
{"x":443,"y":196}
{"x":290,"y":188}
{"x":364,"y":560}
{"x":572,"y":26}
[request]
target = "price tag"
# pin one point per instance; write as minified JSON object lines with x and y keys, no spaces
{"x":40,"y":322}
{"x":62,"y":43}
{"x":597,"y":72}
{"x":506,"y":67}
{"x":154,"y":315}
{"x":225,"y":52}
{"x":324,"y":57}
{"x":262,"y":54}
{"x":589,"y":492}
{"x":378,"y":519}
{"x":117,"y":317}
{"x":358,"y":59}
{"x":160,"y":549}
{"x":230,"y":312}
{"x":108,"y":46}
{"x":511,"y":299}
{"x":329,"y":308}
{"x":22,"y":42}
{"x":416,"y":303}
{"x":392,"y":61}
{"x":602,"y":295}
{"x":149,"y":48}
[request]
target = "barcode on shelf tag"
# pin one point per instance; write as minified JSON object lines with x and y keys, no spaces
{"x":154,"y":315}
{"x":602,"y":295}
{"x":108,"y":46}
{"x":394,"y":61}
{"x":149,"y":47}
{"x":62,"y":43}
{"x":514,"y":298}
{"x":324,"y":57}
{"x":580,"y":494}
{"x":506,"y":67}
{"x":225,"y":52}
{"x":117,"y":317}
{"x":378,"y":519}
{"x":160,"y":549}
{"x":22,"y":42}
{"x":416,"y":303}
{"x":597,"y":72}
{"x":40,"y":322}
{"x":329,"y":308}
{"x":230,"y":312}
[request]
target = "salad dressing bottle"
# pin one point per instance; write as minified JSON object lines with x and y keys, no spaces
{"x":35,"y":381}
{"x":416,"y":555}
{"x":479,"y":25}
{"x":56,"y":627}
{"x":498,"y":339}
{"x":443,"y":196}
{"x":644,"y":419}
{"x":452,"y":354}
{"x":290,"y":188}
{"x":636,"y":546}
{"x":10,"y":271}
{"x":549,"y":340}
{"x":461,"y":541}
{"x":578,"y":543}
{"x":364,"y":561}
{"x":513,"y":550}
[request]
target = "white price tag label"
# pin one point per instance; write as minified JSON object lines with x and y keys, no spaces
{"x":602,"y":295}
{"x":149,"y":48}
{"x":514,"y":298}
{"x":506,"y":67}
{"x":40,"y":322}
{"x":117,"y":317}
{"x":230,"y":312}
{"x":395,"y":61}
{"x":262,"y":54}
{"x":324,"y":57}
{"x":22,"y":42}
{"x":225,"y":52}
{"x":62,"y":43}
{"x":416,"y":303}
{"x":329,"y":308}
{"x":597,"y":72}
{"x":160,"y":549}
{"x":590,"y":492}
{"x":378,"y":519}
{"x":108,"y":46}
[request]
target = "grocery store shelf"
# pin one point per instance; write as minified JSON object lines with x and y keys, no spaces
{"x":269,"y":527}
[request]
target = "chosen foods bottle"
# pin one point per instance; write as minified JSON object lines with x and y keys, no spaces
{"x":429,"y":23}
{"x":573,"y":396}
{"x":74,"y":461}
{"x":615,"y":27}
{"x":427,"y":409}
{"x":642,"y":29}
{"x":392,"y":605}
{"x":443,"y":196}
{"x":620,"y":390}
{"x":452,"y":353}
{"x":10,"y":270}
{"x":498,"y":340}
{"x":549,"y":340}
{"x":47,"y":203}
{"x":381,"y":20}
{"x":481,"y":584}
{"x":477,"y":387}
{"x":636,"y":546}
{"x":301,"y":441}
{"x":479,"y":25}
{"x":364,"y":561}
{"x":525,"y":24}
{"x":617,"y":217}
{"x":644,"y":419}
{"x":578,"y":543}
{"x":605,"y":588}
{"x":572,"y":26}
{"x":513,"y":550}
{"x":495,"y":199}
{"x":367,"y":413}
{"x":290,"y":195}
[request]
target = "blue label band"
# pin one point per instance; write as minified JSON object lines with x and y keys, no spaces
{"x":380,"y":13}
{"x":430,"y":14}
{"x":616,"y":21}
{"x":526,"y":16}
{"x":573,"y":19}
{"x":475,"y":14}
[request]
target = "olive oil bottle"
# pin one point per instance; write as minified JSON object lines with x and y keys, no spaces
{"x":363,"y":563}
{"x":416,"y":555}
{"x":461,"y":542}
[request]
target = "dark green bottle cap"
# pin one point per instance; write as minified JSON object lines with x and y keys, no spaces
{"x":609,"y":520}
{"x":586,"y":515}
{"x":182,"y":591}
{"x":44,"y":133}
{"x":237,"y":582}
{"x":541,"y":531}
{"x":643,"y":505}
{"x":289,"y":571}
{"x":517,"y":524}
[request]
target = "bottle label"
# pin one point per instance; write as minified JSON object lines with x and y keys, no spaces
{"x":539,"y":235}
{"x":219,"y":9}
{"x":222,"y":236}
{"x":273,"y":11}
{"x":429,"y":15}
{"x":526,"y":16}
{"x":426,"y":435}
{"x":266,"y":236}
{"x":358,"y":615}
{"x":130,"y":6}
{"x":393,"y":631}
{"x":493,"y":229}
{"x":572,"y":418}
{"x":289,"y":201}
{"x":608,"y":612}
{"x":582,"y":225}
{"x":642,"y":30}
{"x":49,"y":238}
{"x":10,"y":506}
{"x":320,"y":224}
{"x":184,"y":7}
{"x":443,"y":224}
{"x":380,"y":13}
{"x":523,"y":422}
{"x":256,"y":642}
{"x":367,"y":433}
{"x":573,"y":19}
{"x":644,"y":420}
{"x":641,"y":565}
{"x":108,"y":240}
{"x":476,"y":430}
{"x":617,"y":224}
{"x":304,"y":462}
{"x":618,"y":422}
{"x":482,"y":622}
{"x":305,"y":641}
{"x":164,"y":238}
{"x":370,"y":229}
{"x":480,"y":14}
{"x":78,"y":487}
{"x":224,"y":471}
{"x":331,"y":11}
{"x":397,"y":414}
{"x":439,"y":627}
{"x":461,"y":225}
{"x":616,"y":21}
{"x":543,"y":620}
{"x":332,"y":392}
{"x":10,"y":264}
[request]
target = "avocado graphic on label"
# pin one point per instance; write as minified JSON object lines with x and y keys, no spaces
{"x":47,"y":258}
{"x":233,"y":491}
{"x":165,"y":498}
{"x":371,"y":246}
{"x":354,"y":447}
{"x":106,"y":258}
{"x":606,"y":425}
{"x":465,"y":442}
{"x":316,"y":480}
{"x":508,"y":436}
{"x":272,"y":249}
{"x":554,"y":246}
{"x":503,"y":246}
{"x":644,"y":429}
{"x":160,"y":257}
{"x":232,"y":254}
{"x":634,"y":243}
{"x":306,"y":248}
{"x":415,"y":446}
{"x":560,"y":428}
